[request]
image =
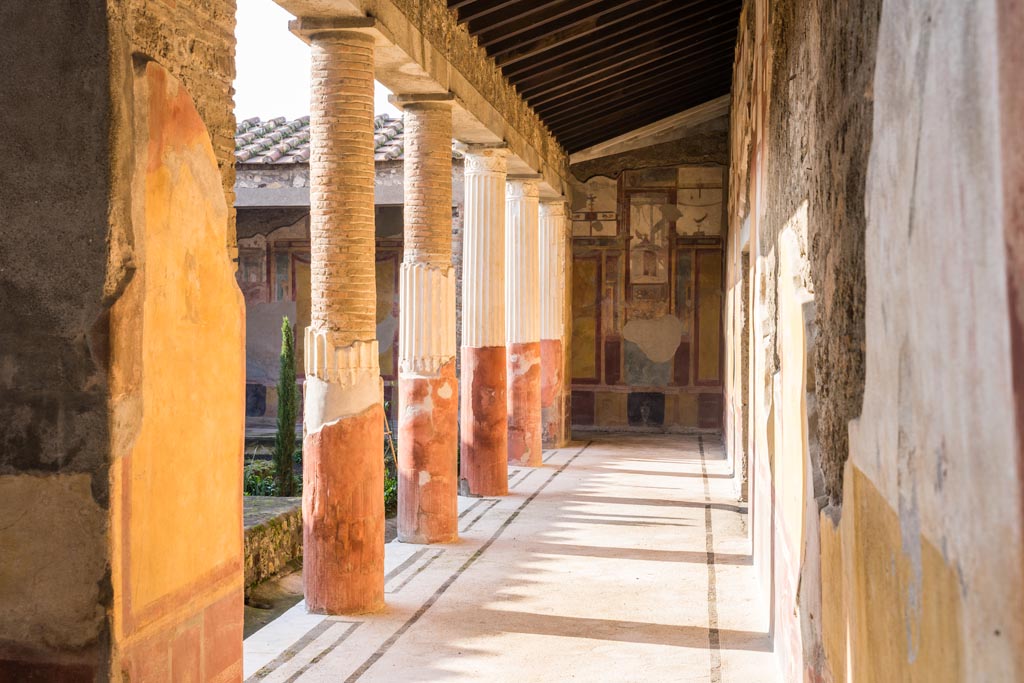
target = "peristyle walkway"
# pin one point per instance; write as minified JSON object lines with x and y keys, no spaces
{"x":622,"y":559}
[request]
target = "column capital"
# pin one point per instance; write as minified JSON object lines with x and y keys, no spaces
{"x":555,"y":208}
{"x":484,"y":159}
{"x":519,"y":187}
{"x":311,"y":28}
{"x":442,"y":100}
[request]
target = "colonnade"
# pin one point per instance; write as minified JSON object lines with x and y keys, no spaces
{"x":512,"y":326}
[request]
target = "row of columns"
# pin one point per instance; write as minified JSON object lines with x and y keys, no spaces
{"x":512,"y":315}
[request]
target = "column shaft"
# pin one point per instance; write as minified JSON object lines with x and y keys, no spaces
{"x":553,"y":290}
{"x":343,"y":470}
{"x":484,"y":462}
{"x":522,"y":324}
{"x":428,"y":389}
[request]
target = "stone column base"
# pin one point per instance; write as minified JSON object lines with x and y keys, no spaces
{"x":428,"y":433}
{"x":552,"y":407}
{"x":524,"y":425}
{"x":343,"y":515}
{"x":484,"y":463}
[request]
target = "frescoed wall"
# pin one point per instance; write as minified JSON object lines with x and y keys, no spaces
{"x":273,"y":274}
{"x":647,"y":299}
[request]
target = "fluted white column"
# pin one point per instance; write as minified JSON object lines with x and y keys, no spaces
{"x":483,"y":244}
{"x":552,"y":255}
{"x":553,"y":291}
{"x":522,"y":291}
{"x":522,"y":322}
{"x":428,"y":389}
{"x":484,"y":414}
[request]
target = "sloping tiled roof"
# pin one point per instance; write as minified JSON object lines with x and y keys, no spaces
{"x":279,"y":141}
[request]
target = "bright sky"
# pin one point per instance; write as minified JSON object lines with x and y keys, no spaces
{"x":273,"y":66}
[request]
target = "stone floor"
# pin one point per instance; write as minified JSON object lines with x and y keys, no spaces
{"x":622,"y":559}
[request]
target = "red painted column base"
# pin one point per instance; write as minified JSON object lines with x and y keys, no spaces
{"x":428,"y":433}
{"x":524,"y":428}
{"x":484,"y":461}
{"x":552,"y":407}
{"x":343,"y":515}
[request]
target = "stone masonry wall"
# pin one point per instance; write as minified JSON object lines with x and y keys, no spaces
{"x":194,"y":40}
{"x":54,"y":422}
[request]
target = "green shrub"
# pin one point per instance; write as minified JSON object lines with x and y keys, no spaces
{"x":259,"y":478}
{"x":390,"y":493}
{"x":287,"y":414}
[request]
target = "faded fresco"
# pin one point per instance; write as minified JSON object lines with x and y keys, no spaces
{"x":647,"y":299}
{"x":274,"y":276}
{"x":595,"y":208}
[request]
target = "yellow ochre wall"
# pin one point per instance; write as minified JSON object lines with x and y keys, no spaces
{"x":177,"y":379}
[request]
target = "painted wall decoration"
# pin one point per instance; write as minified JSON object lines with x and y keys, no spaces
{"x":274,"y":275}
{"x":647,"y":301}
{"x":699,"y":200}
{"x":586,"y":291}
{"x":595,"y":208}
{"x":651,"y":222}
{"x":700,"y":211}
{"x":387,"y":310}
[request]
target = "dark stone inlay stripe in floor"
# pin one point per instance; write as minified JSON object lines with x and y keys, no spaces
{"x":323,"y":653}
{"x":405,"y":565}
{"x":714,"y":636}
{"x":478,"y":517}
{"x":298,"y":646}
{"x":467,"y":510}
{"x":522,"y":479}
{"x":387,"y":644}
{"x":414,"y":574}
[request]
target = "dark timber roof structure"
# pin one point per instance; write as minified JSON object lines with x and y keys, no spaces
{"x":595,"y":69}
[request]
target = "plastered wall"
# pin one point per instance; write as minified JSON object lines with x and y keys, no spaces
{"x":868,"y":296}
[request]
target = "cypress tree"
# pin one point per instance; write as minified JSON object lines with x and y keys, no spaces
{"x":284,"y":443}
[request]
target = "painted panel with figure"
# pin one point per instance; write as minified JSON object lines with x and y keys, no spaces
{"x":652,"y":358}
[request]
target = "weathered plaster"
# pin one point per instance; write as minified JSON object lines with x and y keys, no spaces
{"x":912,"y":572}
{"x":181,"y":304}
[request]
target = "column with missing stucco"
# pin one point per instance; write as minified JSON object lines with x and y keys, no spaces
{"x":343,"y":469}
{"x":522,"y":322}
{"x":484,"y":413}
{"x":428,"y":428}
{"x":553,"y":290}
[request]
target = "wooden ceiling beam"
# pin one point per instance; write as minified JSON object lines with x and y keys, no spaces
{"x":598,"y":105}
{"x":650,"y":64}
{"x":481,"y":9}
{"x":517,"y":18}
{"x":558,"y":35}
{"x":539,"y":20}
{"x":710,"y":39}
{"x":606,"y":129}
{"x":617,"y":102}
{"x":609,"y":44}
{"x":625,"y":16}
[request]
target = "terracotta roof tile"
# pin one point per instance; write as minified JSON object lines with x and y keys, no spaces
{"x":280,"y":141}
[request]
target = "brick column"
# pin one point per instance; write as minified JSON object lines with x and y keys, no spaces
{"x":428,"y":426}
{"x":343,"y":474}
{"x":552,"y":256}
{"x":522,"y":323}
{"x":484,"y":462}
